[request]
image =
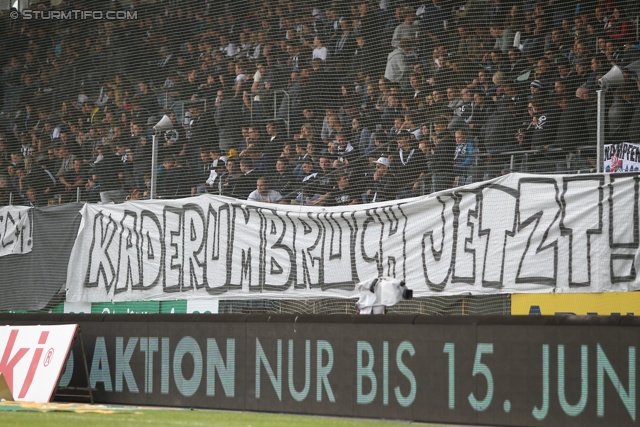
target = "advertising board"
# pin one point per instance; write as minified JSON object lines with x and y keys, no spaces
{"x":32,"y":358}
{"x":523,"y":371}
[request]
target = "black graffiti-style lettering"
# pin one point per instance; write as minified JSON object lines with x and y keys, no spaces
{"x":9,"y":231}
{"x":624,"y":148}
{"x":624,"y":236}
{"x":392,"y":236}
{"x":383,"y":242}
{"x":280,"y":268}
{"x":25,"y":232}
{"x":581,"y":200}
{"x":311,"y":242}
{"x":16,"y":229}
{"x":218,"y":250}
{"x":541,"y":220}
{"x":152,"y":250}
{"x":338,"y":259}
{"x":129,"y":272}
{"x":247,"y":252}
{"x":437,"y":246}
{"x":371,"y":240}
{"x":465,"y":215}
{"x":101,"y":268}
{"x":195,"y":234}
{"x":174,"y":268}
{"x":496,"y":229}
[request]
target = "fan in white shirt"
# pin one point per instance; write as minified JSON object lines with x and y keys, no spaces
{"x":263,"y":194}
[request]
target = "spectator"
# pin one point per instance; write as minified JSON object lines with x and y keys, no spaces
{"x":283,"y":180}
{"x":74,"y":179}
{"x":319,"y":50}
{"x":263,"y":194}
{"x":226,"y":119}
{"x":405,"y":30}
{"x":214,"y":182}
{"x":463,"y":159}
{"x":322,"y":181}
{"x":409,"y":165}
{"x":621,"y":112}
{"x":382,"y":186}
{"x":397,"y":70}
{"x":12,"y":86}
{"x":202,"y":173}
{"x":47,"y":104}
{"x":442,"y":156}
{"x":246,"y":182}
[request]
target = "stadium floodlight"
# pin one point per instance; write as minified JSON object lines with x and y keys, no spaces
{"x":165,"y":124}
{"x":379,"y":293}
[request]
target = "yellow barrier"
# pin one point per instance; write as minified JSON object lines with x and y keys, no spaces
{"x":604,"y":304}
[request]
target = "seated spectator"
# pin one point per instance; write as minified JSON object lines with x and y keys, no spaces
{"x":340,"y":149}
{"x":214,"y":182}
{"x":319,"y":51}
{"x":283,"y":180}
{"x":263,"y":194}
{"x":74,"y":179}
{"x":201,"y":173}
{"x":246,"y":182}
{"x":341,"y":194}
{"x":166,"y":187}
{"x":382,"y":187}
{"x":66,"y":159}
{"x":617,"y":27}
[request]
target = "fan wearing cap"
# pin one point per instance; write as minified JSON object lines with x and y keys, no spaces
{"x":544,"y":73}
{"x":382,"y":188}
{"x":535,"y":87}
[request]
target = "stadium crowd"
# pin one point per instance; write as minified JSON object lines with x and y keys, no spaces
{"x":308,"y":102}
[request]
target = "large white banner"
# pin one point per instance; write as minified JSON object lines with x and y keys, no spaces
{"x":32,"y":357}
{"x":517,"y":233}
{"x":16,"y":230}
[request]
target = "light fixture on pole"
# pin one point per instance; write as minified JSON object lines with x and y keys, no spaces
{"x":610,"y":81}
{"x":163,"y":125}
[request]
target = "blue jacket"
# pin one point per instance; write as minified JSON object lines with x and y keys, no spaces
{"x":463,"y":159}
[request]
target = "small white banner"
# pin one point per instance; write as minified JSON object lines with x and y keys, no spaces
{"x":623,"y":157}
{"x":16,"y":230}
{"x":32,"y":357}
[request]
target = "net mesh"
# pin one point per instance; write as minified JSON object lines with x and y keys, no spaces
{"x":401,"y":98}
